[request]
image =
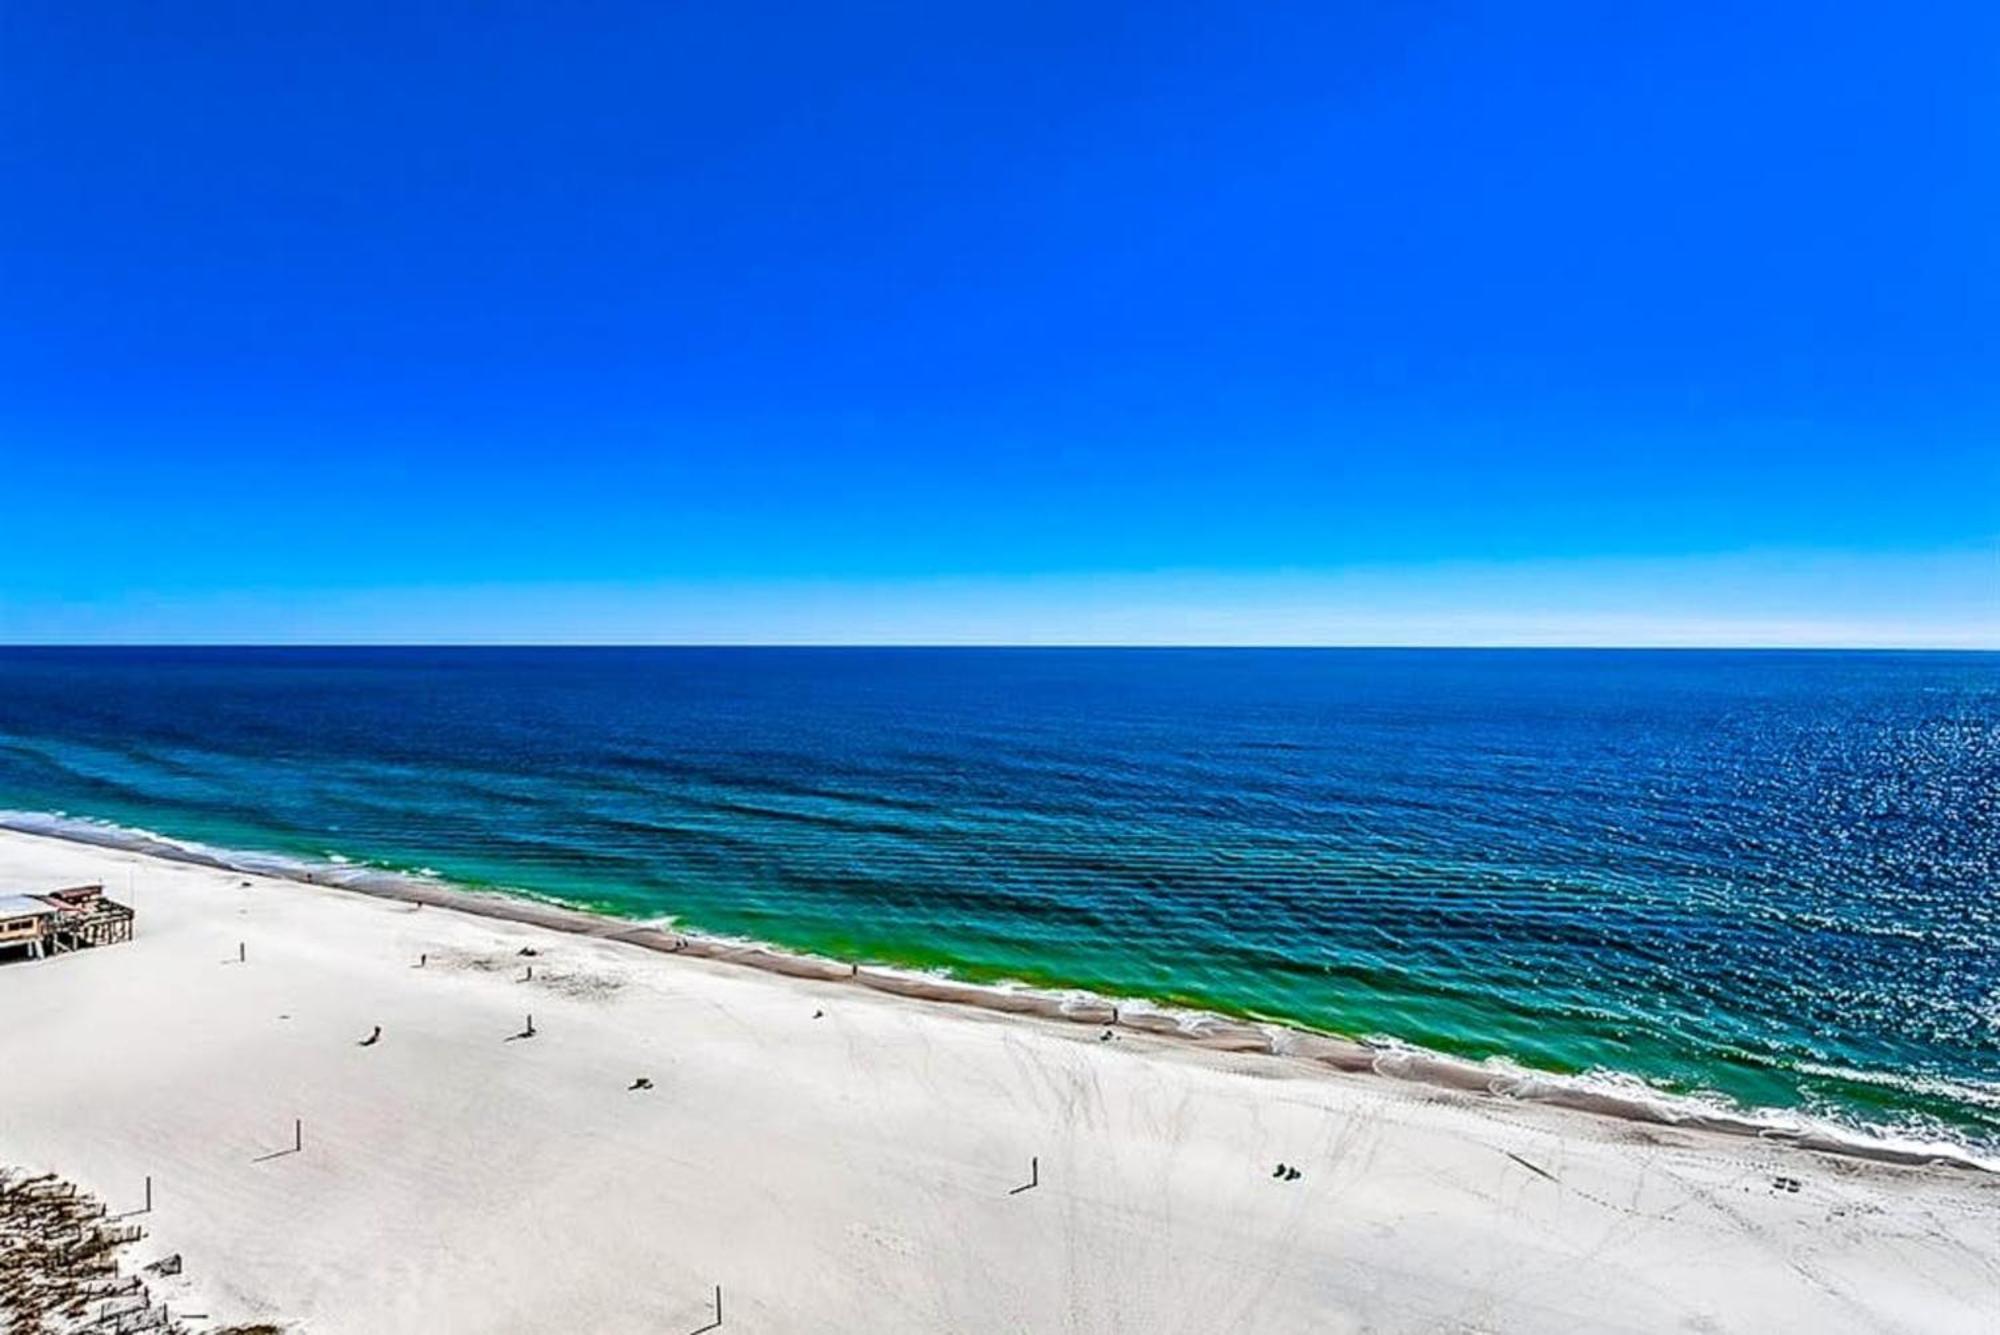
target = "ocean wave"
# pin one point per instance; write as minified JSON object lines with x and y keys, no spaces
{"x":1979,"y":1093}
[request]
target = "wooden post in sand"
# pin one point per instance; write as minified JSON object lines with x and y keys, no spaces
{"x":147,"y":1208}
{"x":242,"y":954}
{"x":298,"y":1143}
{"x":1034,"y":1177}
{"x":700,"y":1330}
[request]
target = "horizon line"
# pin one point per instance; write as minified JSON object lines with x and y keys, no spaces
{"x":1005,"y":645}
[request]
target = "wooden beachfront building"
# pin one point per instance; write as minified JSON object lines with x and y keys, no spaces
{"x":35,"y":926}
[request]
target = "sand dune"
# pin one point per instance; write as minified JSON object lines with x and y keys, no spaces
{"x":858,"y":1170}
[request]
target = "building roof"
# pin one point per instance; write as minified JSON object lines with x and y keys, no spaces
{"x":25,"y":906}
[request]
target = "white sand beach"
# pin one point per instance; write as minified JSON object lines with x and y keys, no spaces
{"x":836,"y":1157}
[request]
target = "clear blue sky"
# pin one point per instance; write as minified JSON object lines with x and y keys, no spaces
{"x":1325,"y":322}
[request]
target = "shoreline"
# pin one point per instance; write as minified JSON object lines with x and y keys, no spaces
{"x":1193,"y":1028}
{"x":320,"y":1103}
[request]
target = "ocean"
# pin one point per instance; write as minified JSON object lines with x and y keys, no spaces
{"x":1767,"y":880}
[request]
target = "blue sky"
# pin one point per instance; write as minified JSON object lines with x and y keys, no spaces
{"x":1316,"y":323}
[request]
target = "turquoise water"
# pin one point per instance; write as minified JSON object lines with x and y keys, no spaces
{"x":1766,"y":877}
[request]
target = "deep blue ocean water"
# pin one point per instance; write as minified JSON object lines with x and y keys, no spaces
{"x":1768,"y":877}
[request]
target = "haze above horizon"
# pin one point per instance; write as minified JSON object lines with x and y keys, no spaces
{"x":1152,"y":324}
